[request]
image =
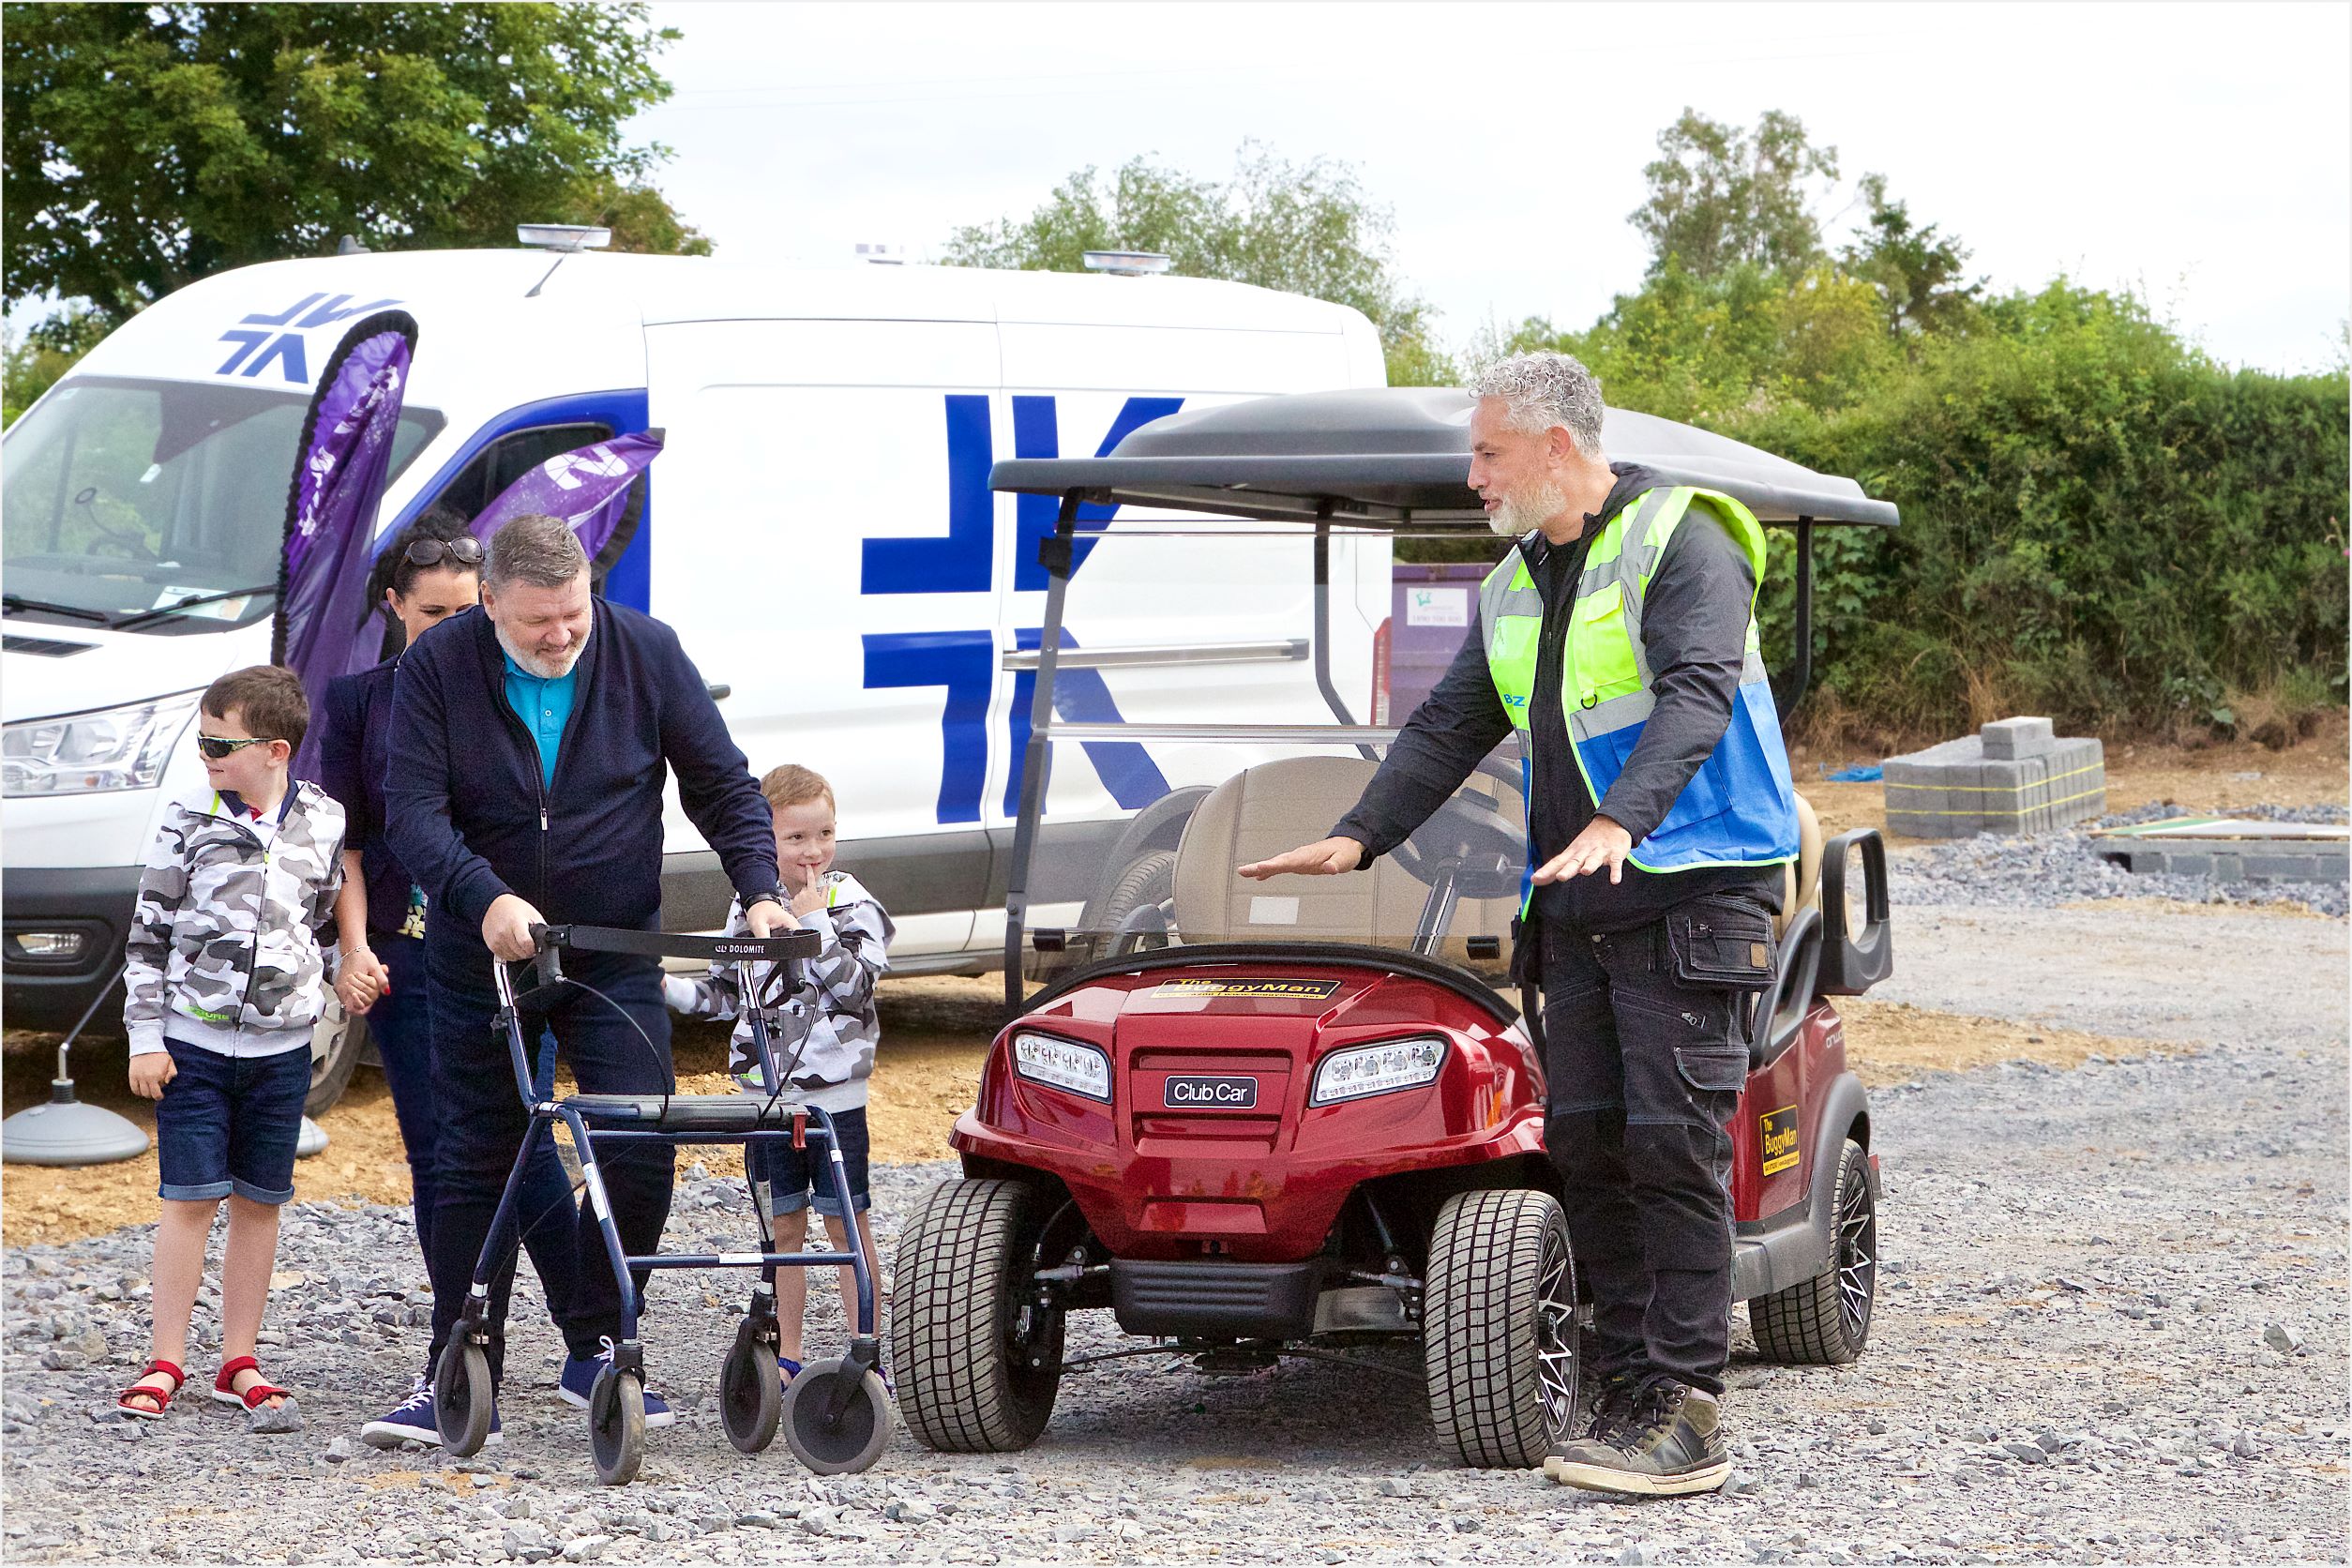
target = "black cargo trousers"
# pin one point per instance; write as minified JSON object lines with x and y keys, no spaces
{"x":1644,"y":1051}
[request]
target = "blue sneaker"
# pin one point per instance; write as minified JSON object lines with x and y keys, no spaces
{"x":412,"y":1421}
{"x":580,"y":1376}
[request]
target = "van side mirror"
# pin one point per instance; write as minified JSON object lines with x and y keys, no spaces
{"x":1854,"y":959}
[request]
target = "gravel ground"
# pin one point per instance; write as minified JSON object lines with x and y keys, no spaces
{"x":2112,"y":1327}
{"x":2055,"y":869}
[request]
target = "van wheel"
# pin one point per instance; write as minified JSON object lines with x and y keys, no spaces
{"x":1149,"y":878}
{"x":978,"y":1358}
{"x":1825,"y":1322}
{"x":336,"y":1044}
{"x":1499,"y":1328}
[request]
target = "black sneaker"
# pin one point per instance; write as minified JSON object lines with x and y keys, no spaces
{"x":1673,"y":1447}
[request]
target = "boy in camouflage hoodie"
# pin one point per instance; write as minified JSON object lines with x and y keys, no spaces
{"x":223,"y":980}
{"x":835,"y":1059}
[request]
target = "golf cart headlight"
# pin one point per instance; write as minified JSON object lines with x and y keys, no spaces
{"x":120,"y":748}
{"x":1064,"y":1063}
{"x":1362,"y":1070}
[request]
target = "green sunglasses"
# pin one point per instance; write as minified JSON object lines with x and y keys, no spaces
{"x":219,"y":750}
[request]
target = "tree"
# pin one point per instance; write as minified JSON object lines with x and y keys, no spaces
{"x":1305,"y":229}
{"x":147,"y":146}
{"x":32,"y":362}
{"x":1721,"y":196}
{"x":1916,"y":274}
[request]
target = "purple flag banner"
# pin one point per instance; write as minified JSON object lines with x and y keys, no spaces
{"x":588,"y":488}
{"x":339,"y":479}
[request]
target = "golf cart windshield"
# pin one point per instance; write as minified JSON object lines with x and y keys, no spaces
{"x":1209,"y":775}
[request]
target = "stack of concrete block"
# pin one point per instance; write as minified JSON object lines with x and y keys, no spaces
{"x":2015,"y":775}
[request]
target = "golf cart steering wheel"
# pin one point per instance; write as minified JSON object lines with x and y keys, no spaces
{"x":1487,"y":852}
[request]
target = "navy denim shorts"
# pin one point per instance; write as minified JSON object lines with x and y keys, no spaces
{"x":796,"y":1175}
{"x":228,"y":1124}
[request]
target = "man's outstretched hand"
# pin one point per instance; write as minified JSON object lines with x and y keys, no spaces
{"x":1326,"y":858}
{"x":1601,"y":843}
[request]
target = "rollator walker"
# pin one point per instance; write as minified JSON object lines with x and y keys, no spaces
{"x":836,"y":1416}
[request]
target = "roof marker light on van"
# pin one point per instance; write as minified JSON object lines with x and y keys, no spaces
{"x":1128,"y":264}
{"x":562,"y":237}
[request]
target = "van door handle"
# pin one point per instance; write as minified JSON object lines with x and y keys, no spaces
{"x":719,"y":690}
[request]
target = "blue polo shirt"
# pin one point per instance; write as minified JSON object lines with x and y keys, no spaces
{"x":544,"y":707}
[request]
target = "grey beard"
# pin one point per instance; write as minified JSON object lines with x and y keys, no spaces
{"x":1522,"y":514}
{"x":545,"y":670}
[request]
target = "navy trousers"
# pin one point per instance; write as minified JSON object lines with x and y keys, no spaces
{"x":620,"y":1046}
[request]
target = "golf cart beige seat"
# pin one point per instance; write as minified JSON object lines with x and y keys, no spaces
{"x":1274,"y":806}
{"x":1801,"y":885}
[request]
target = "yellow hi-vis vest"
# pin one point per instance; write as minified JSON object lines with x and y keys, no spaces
{"x":1740,"y":807}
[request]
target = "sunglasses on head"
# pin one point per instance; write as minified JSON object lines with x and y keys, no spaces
{"x":431,"y":552}
{"x":219,"y":750}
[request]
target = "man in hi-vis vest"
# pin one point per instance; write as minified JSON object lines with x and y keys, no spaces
{"x":1618,"y":639}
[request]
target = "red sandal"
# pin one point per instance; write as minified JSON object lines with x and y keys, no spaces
{"x":224,"y":1388}
{"x":143,"y":1390}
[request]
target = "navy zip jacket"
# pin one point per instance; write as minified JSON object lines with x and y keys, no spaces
{"x":352,"y":765}
{"x":466,"y":813}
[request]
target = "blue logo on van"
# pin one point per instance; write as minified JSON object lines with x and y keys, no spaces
{"x":256,"y":351}
{"x":965,"y":662}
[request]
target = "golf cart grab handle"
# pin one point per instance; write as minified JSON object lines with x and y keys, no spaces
{"x":663,"y":944}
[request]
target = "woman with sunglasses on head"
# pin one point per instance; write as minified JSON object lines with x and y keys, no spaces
{"x":431,"y":573}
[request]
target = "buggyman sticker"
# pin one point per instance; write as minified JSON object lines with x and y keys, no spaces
{"x":1780,"y":1139}
{"x":1311,"y":990}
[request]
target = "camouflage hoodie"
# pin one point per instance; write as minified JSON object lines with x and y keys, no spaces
{"x":223,"y":951}
{"x":839,"y":1053}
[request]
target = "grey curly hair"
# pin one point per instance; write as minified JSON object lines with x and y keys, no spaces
{"x":1544,"y":389}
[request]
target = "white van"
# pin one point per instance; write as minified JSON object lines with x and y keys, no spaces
{"x":819,"y":528}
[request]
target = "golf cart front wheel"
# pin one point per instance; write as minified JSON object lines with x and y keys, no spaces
{"x":835,"y":1422}
{"x":1825,"y":1322}
{"x":1499,"y":1328}
{"x":977,"y":1354}
{"x":750,"y":1398}
{"x":616,"y":1425}
{"x":461,"y":1395}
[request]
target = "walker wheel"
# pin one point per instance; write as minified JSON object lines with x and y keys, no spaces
{"x":616,"y":1425}
{"x":831,"y":1445}
{"x":750,"y":1398}
{"x":461,"y":1395}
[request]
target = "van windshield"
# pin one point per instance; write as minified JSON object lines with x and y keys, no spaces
{"x":119,"y":498}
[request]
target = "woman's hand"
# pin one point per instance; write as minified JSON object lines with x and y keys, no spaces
{"x":362,"y":980}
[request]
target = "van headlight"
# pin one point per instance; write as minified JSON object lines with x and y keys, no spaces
{"x":117,"y":748}
{"x":1362,"y":1070}
{"x":1064,"y":1063}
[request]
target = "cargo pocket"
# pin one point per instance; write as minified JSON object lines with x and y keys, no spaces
{"x":1712,"y":1069}
{"x":1723,"y":943}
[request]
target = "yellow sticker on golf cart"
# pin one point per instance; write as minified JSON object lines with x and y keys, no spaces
{"x":1780,"y":1139}
{"x":1311,"y":990}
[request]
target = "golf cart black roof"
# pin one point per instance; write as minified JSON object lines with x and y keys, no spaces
{"x":1397,"y":457}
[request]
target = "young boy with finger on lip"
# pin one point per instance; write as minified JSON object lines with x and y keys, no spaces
{"x":223,"y":980}
{"x":834,"y":1061}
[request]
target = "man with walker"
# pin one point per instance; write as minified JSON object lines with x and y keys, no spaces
{"x":537,"y":734}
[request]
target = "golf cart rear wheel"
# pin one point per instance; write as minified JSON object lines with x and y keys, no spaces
{"x":978,"y":1357}
{"x":1499,"y":1328}
{"x":616,"y":1425}
{"x":461,"y":1396}
{"x":1825,"y":1322}
{"x":750,"y":1395}
{"x":842,"y":1442}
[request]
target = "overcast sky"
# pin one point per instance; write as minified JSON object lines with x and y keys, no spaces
{"x":2201,"y":153}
